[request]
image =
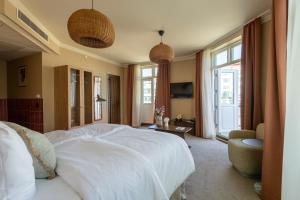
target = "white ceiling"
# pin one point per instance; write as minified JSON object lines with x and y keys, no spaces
{"x":13,"y":45}
{"x":189,"y":24}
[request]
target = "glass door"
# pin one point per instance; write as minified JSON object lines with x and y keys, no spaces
{"x":227,"y":99}
{"x":75,"y":97}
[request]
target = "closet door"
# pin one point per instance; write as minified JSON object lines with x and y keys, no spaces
{"x":114,"y":106}
{"x":75,"y":97}
{"x":61,"y":97}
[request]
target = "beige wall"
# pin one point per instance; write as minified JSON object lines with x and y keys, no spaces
{"x":3,"y":84}
{"x":266,"y":31}
{"x":183,"y":71}
{"x":34,"y":77}
{"x":76,"y":60}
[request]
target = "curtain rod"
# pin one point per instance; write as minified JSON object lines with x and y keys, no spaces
{"x":266,"y":13}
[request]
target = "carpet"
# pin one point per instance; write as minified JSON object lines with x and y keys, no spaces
{"x":215,"y":178}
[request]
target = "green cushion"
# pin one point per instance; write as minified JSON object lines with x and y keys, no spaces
{"x":41,"y":150}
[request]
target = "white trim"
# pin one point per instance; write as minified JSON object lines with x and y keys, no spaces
{"x":89,"y":54}
{"x":265,"y":16}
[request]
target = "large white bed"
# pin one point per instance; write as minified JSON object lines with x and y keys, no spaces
{"x":116,"y":162}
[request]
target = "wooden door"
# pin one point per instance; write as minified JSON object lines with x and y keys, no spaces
{"x":114,"y":99}
{"x":88,"y":97}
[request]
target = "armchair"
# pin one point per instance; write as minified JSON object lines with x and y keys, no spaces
{"x":245,"y":150}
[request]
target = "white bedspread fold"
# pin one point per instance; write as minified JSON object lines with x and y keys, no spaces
{"x":98,"y":169}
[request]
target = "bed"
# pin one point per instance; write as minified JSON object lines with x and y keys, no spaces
{"x":105,"y":161}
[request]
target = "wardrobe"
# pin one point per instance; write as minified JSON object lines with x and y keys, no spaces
{"x":73,"y":97}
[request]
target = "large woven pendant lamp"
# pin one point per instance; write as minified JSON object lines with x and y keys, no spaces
{"x":91,"y":28}
{"x":161,"y":53}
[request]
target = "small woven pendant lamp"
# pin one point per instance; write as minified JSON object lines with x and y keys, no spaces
{"x":161,"y":53}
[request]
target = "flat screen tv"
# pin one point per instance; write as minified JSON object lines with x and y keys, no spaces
{"x":181,"y":90}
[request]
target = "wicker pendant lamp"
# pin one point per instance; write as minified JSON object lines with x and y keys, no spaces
{"x":161,"y":53}
{"x":91,"y":28}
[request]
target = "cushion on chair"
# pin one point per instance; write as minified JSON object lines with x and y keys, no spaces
{"x":260,"y":129}
{"x":242,"y":134}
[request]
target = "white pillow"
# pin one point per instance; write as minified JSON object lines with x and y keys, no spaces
{"x":17,"y":180}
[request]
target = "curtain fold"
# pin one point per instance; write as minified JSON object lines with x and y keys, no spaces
{"x":163,"y":88}
{"x":130,"y":82}
{"x":251,"y":111}
{"x":209,"y":130}
{"x":198,"y":95}
{"x":275,"y":104}
{"x":136,"y":101}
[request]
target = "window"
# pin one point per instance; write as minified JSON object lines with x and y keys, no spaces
{"x":236,"y":52}
{"x":226,"y":65}
{"x":228,"y":55}
{"x":149,"y":74}
{"x":221,"y":58}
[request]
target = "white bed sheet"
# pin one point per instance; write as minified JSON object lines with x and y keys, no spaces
{"x":168,"y":154}
{"x":55,"y":189}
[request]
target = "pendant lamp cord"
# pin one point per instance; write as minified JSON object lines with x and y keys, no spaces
{"x":93,"y":4}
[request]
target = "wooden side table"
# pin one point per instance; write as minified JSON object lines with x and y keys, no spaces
{"x":176,"y":130}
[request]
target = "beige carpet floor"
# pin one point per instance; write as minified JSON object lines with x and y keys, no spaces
{"x":215,"y":178}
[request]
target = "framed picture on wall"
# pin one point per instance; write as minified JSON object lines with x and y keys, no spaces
{"x":22,"y":76}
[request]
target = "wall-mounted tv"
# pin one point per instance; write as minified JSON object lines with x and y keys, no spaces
{"x":181,"y":90}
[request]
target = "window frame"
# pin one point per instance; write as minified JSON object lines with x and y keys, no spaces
{"x":149,"y":78}
{"x":228,"y":48}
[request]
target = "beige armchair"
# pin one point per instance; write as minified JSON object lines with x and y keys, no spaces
{"x":245,"y":150}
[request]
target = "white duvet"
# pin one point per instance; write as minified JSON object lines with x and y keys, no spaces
{"x":118,"y":162}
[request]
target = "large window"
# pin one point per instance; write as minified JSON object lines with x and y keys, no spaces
{"x":226,"y":65}
{"x":149,"y":74}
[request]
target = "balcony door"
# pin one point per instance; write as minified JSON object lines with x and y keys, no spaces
{"x":226,"y":62}
{"x":227,"y":94}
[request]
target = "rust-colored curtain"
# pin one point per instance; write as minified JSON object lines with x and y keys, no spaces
{"x":198,"y":95}
{"x":251,"y":113}
{"x":275,"y":104}
{"x":163,"y":88}
{"x":130,"y":79}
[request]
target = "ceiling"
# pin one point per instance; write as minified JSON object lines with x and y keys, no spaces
{"x":13,"y":45}
{"x":189,"y":24}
